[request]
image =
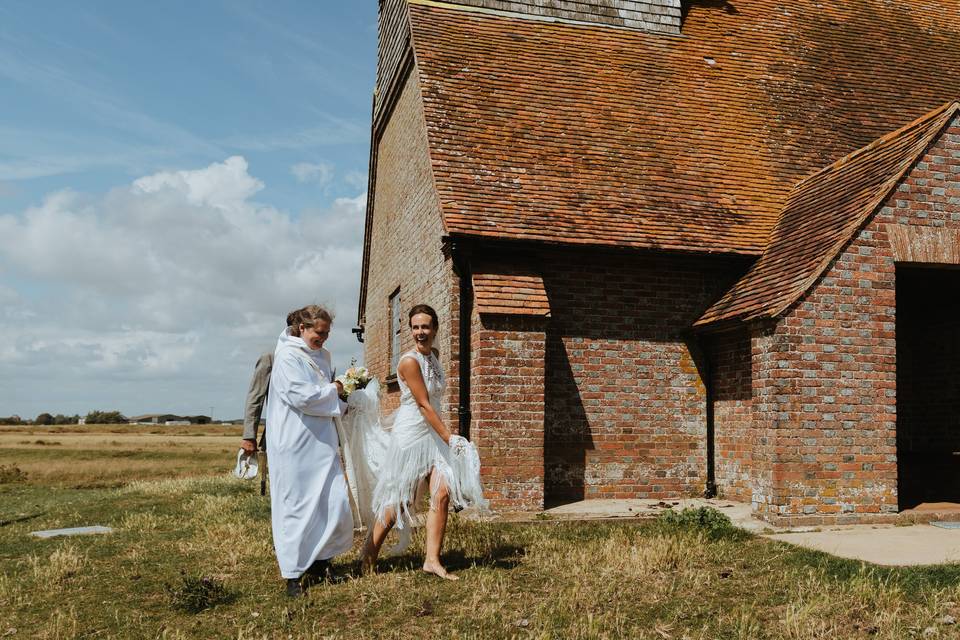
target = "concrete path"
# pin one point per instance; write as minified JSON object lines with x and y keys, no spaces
{"x":739,"y":513}
{"x":885,"y":545}
{"x":889,"y":545}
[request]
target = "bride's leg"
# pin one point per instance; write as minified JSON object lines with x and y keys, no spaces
{"x":437,"y":525}
{"x":375,"y":539}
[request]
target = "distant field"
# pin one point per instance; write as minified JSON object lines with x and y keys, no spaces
{"x":111,"y":455}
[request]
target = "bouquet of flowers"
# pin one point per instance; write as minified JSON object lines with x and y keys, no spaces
{"x":353,"y":378}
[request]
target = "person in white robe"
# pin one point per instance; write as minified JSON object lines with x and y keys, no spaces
{"x":310,"y":508}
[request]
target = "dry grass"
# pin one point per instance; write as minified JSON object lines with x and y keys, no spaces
{"x":114,"y":455}
{"x":548,"y":580}
{"x":54,"y":571}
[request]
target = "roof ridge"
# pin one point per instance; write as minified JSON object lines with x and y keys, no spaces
{"x":916,"y":124}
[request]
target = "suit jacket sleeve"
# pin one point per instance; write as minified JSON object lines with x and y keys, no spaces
{"x":256,"y":396}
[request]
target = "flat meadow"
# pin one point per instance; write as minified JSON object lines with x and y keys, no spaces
{"x":191,"y":557}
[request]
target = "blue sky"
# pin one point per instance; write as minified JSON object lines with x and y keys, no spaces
{"x":174,"y":177}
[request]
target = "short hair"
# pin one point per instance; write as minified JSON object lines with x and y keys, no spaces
{"x":427,"y":309}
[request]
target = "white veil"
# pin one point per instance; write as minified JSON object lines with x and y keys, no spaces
{"x":364,"y":440}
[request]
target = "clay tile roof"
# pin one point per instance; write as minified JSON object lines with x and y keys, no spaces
{"x":596,"y":135}
{"x":512,"y":292}
{"x":822,"y":214}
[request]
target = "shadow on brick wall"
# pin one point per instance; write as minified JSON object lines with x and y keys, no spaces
{"x":567,"y":437}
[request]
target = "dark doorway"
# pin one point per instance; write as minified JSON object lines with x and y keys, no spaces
{"x":928,"y":385}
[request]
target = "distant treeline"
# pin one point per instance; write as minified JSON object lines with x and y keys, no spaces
{"x":94,"y":417}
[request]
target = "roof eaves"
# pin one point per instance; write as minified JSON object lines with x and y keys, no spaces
{"x":943,"y":116}
{"x":937,"y":120}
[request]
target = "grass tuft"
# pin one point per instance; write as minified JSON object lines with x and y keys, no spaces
{"x":10,"y":474}
{"x":193,"y":594}
{"x":59,"y":567}
{"x":711,"y":522}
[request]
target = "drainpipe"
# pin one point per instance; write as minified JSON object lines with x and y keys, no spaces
{"x":461,"y":266}
{"x":705,"y":367}
{"x":710,"y":491}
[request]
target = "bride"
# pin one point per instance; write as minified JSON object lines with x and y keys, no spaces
{"x":421,"y":447}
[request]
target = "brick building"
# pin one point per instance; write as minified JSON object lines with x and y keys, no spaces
{"x":679,"y":246}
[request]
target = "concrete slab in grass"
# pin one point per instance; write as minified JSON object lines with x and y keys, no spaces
{"x":74,"y":531}
{"x":919,"y":544}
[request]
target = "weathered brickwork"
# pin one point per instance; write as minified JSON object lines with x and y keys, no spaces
{"x":663,"y":16}
{"x":507,"y":401}
{"x":405,"y":238}
{"x":741,"y":454}
{"x":625,"y":405}
{"x":825,"y":379}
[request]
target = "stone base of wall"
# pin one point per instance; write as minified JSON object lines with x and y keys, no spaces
{"x":818,"y":520}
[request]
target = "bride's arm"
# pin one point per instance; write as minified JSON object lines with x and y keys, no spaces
{"x":409,"y":370}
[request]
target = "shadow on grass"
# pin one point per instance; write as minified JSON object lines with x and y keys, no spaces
{"x":913,"y":580}
{"x":505,"y":557}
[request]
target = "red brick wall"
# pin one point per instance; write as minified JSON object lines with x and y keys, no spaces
{"x":741,"y":445}
{"x":625,"y":405}
{"x":507,"y":401}
{"x":826,"y":379}
{"x":405,"y":238}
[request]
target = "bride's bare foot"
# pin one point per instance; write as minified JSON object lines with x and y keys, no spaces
{"x":438,"y":570}
{"x":368,"y":561}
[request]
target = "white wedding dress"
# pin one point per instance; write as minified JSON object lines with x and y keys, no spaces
{"x":388,"y":458}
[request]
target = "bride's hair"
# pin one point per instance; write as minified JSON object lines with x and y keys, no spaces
{"x":427,"y":309}
{"x":308,"y":316}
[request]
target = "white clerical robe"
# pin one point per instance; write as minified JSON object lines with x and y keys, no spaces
{"x":309,"y":501}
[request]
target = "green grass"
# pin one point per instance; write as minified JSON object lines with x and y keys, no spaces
{"x":193,"y":558}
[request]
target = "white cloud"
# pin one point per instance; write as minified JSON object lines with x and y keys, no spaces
{"x":225,"y":185}
{"x":320,"y":173}
{"x":356,"y":179}
{"x":161,"y":294}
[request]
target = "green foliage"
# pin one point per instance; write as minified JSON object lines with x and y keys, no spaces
{"x":194,"y":594}
{"x":106,"y":417}
{"x":46,"y":419}
{"x":714,"y":524}
{"x":15,"y":420}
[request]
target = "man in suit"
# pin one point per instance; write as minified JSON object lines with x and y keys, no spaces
{"x":253,"y":409}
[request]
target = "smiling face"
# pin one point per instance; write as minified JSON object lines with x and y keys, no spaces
{"x":423,"y":330}
{"x":316,"y":335}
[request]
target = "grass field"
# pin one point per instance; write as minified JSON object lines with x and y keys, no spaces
{"x":191,"y":557}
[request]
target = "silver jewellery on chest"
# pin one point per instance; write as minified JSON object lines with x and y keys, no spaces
{"x":433,"y":370}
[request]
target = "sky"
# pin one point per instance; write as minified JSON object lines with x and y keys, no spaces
{"x":174,"y":178}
